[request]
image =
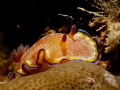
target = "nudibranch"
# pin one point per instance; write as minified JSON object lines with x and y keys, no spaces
{"x":55,"y":49}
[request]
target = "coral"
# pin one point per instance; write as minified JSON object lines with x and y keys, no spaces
{"x":107,"y":22}
{"x":112,"y":41}
{"x":104,"y":64}
{"x":3,"y":79}
{"x":68,"y":76}
{"x":54,"y":49}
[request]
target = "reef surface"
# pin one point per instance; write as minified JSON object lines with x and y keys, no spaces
{"x":76,"y":75}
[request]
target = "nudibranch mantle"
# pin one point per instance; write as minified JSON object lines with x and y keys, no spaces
{"x":58,"y":48}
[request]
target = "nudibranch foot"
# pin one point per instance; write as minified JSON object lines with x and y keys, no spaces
{"x":58,"y":48}
{"x":56,"y":64}
{"x":64,"y":61}
{"x":30,"y":70}
{"x":40,"y":56}
{"x":15,"y":74}
{"x":26,"y":70}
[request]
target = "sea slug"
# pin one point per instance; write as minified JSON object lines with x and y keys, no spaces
{"x":57,"y":48}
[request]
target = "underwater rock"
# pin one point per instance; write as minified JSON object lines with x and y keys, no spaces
{"x":76,"y":75}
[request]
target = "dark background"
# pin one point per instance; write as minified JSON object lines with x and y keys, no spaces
{"x":33,"y":16}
